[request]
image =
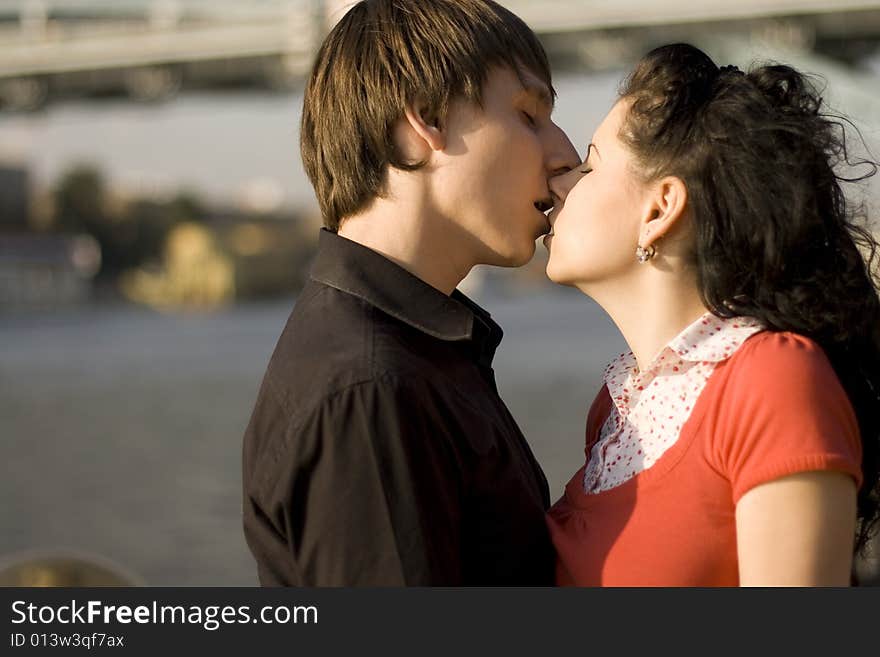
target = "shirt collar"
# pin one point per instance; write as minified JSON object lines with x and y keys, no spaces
{"x":709,"y":339}
{"x":713,"y":339}
{"x":357,"y":270}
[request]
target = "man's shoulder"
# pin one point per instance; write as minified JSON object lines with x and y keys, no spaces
{"x":323,"y":321}
{"x":334,"y":340}
{"x":324,"y":346}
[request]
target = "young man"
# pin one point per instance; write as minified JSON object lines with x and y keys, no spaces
{"x":379,"y":452}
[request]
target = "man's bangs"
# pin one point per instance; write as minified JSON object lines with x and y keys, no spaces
{"x":507,"y":42}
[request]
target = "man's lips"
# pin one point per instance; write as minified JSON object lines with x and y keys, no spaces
{"x":544,"y":204}
{"x":545,"y":207}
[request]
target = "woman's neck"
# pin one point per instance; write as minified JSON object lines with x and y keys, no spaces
{"x":650,"y":309}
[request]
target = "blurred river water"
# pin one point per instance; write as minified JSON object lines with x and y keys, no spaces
{"x":122,"y":427}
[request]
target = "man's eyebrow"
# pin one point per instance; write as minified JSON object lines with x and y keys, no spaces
{"x":539,"y":91}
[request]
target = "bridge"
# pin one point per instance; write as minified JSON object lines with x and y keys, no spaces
{"x":578,"y":15}
{"x":150,"y":48}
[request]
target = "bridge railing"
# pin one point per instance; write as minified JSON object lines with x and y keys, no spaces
{"x":577,"y":15}
{"x":151,"y":46}
{"x":148,"y":46}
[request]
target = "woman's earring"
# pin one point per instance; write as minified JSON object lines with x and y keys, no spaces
{"x":643,"y":254}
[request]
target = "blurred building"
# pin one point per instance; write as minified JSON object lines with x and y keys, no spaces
{"x":231,"y":256}
{"x":38,"y":270}
{"x":14,"y":198}
{"x":271,"y":257}
{"x":46,"y":271}
{"x":194,"y":273}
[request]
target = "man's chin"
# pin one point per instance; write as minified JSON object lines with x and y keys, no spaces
{"x":509,"y":255}
{"x":521,"y":257}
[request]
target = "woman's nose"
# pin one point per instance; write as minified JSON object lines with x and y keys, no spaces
{"x":561,"y":184}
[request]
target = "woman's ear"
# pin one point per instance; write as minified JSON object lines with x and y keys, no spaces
{"x":425,"y":128}
{"x":667,"y":204}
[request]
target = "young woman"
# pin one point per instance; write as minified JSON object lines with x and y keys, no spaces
{"x":737,"y":443}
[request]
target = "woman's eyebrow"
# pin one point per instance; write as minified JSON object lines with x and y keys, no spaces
{"x":593,"y":146}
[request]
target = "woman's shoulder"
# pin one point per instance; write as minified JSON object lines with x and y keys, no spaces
{"x":781,"y":341}
{"x":779,"y":370}
{"x":779,"y":408}
{"x":783,"y":380}
{"x":776,"y":355}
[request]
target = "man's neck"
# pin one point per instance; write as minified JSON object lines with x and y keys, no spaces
{"x":423,"y":244}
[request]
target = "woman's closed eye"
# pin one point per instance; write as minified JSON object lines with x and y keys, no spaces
{"x":585,"y":167}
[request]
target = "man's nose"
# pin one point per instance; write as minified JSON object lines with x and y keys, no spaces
{"x":563,"y":156}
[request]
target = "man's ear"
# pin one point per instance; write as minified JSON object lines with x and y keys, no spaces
{"x":425,"y":128}
{"x":666,"y":205}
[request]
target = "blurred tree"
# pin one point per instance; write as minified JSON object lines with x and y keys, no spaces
{"x":79,"y":198}
{"x":80,"y":208}
{"x":186,"y":206}
{"x":129,"y":237}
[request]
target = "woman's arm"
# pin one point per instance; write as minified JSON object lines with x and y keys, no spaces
{"x":797,"y":531}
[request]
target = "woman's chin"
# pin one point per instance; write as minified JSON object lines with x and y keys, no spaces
{"x":555,"y":275}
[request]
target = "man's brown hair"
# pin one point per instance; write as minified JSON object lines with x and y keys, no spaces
{"x":381,"y":56}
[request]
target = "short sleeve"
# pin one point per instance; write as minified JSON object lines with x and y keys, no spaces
{"x":783,"y":411}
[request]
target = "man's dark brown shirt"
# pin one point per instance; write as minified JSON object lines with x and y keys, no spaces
{"x":379,"y":452}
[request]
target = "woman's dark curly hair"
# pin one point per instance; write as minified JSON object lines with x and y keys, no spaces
{"x":775,"y":238}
